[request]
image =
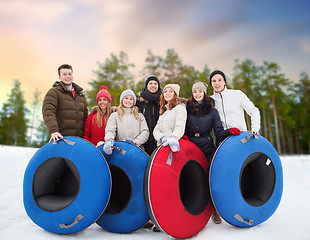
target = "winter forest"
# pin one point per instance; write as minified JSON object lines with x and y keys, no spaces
{"x":284,"y":105}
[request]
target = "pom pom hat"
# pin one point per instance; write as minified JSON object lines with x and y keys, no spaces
{"x":128,"y":92}
{"x":175,"y":87}
{"x":103,"y":93}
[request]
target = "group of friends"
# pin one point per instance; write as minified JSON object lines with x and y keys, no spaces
{"x":153,"y":117}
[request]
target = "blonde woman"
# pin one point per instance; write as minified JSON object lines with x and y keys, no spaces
{"x":126,"y":124}
{"x":97,"y":120}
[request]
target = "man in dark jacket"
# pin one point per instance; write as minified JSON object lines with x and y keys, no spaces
{"x":148,"y":104}
{"x":64,"y":106}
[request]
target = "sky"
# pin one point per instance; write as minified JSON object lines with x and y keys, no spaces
{"x":290,"y":220}
{"x":37,"y":36}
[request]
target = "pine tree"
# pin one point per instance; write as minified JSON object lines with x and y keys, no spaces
{"x":153,"y":64}
{"x":13,"y":123}
{"x":302,"y":112}
{"x":245,"y":77}
{"x":204,"y":77}
{"x":34,"y":109}
{"x":42,"y":135}
{"x":115,"y":75}
{"x":172,"y":65}
{"x":275,"y":84}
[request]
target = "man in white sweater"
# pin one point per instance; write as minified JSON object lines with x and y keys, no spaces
{"x":231,"y":105}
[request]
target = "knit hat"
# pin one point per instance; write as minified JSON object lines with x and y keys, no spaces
{"x":200,"y":85}
{"x":128,"y":92}
{"x":152,"y":78}
{"x":217,"y":72}
{"x":175,"y":87}
{"x":103,"y":93}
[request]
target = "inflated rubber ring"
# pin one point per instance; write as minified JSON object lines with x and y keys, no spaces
{"x":246,"y":180}
{"x":126,"y":211}
{"x":66,"y":185}
{"x":176,"y":190}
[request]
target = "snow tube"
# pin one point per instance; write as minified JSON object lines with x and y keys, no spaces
{"x":246,"y":180}
{"x":66,"y":185}
{"x":176,"y":190}
{"x":126,"y":211}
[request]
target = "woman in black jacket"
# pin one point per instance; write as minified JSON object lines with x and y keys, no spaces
{"x":202,"y":117}
{"x":148,"y":104}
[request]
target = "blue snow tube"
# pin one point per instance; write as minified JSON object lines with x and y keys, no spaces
{"x":126,"y":211}
{"x":66,"y":185}
{"x":246,"y":180}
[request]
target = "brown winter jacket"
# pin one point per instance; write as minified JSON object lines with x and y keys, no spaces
{"x":64,"y":113}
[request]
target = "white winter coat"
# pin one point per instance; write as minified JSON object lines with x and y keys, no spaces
{"x":129,"y":127}
{"x":171,"y":123}
{"x":231,"y":105}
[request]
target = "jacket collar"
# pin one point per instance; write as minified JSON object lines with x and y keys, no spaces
{"x":223,"y":92}
{"x":76,"y":87}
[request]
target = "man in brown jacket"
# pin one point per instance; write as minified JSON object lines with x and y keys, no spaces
{"x":64,"y":106}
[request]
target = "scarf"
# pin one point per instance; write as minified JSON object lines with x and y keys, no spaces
{"x":151,"y":97}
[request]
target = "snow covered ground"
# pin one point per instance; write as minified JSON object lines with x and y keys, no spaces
{"x":290,"y":221}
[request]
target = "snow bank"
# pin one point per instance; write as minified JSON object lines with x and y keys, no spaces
{"x":290,"y":221}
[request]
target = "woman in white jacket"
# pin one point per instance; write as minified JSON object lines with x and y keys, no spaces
{"x":170,"y":126}
{"x":231,"y":105}
{"x":126,"y":124}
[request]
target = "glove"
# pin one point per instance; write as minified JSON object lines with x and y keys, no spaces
{"x":174,"y":144}
{"x":164,"y":141}
{"x":130,"y":140}
{"x":100,"y":143}
{"x":107,"y":147}
{"x":234,"y":131}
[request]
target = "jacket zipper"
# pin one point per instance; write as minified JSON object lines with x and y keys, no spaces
{"x":223,"y":110}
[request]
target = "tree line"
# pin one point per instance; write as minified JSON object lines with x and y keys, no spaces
{"x":283,"y":104}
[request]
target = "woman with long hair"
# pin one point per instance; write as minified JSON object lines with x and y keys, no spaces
{"x":202,"y":118}
{"x":126,"y":124}
{"x":170,"y":126}
{"x":97,"y":120}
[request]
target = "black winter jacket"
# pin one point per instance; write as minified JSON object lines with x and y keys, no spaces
{"x":148,"y":105}
{"x":199,"y":126}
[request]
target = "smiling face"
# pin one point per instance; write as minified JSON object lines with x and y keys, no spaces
{"x":66,"y":76}
{"x":198,"y":95}
{"x":102,"y":103}
{"x":168,"y":94}
{"x":152,"y":86}
{"x":128,"y":101}
{"x":218,"y":83}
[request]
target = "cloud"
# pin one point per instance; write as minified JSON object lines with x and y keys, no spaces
{"x":305,"y":46}
{"x":32,"y":10}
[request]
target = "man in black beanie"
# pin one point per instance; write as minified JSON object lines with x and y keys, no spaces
{"x":231,"y":105}
{"x":152,"y":78}
{"x":148,"y":104}
{"x":217,"y":72}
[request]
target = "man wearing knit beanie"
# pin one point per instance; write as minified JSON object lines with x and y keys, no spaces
{"x":152,"y":78}
{"x":231,"y":105}
{"x":217,"y":72}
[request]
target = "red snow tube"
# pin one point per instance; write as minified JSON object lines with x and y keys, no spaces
{"x":176,"y":190}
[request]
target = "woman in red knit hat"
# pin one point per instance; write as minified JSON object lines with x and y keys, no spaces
{"x":95,"y":124}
